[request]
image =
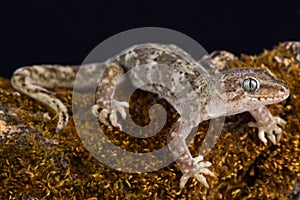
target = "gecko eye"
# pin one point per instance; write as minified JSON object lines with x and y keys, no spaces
{"x":251,"y":85}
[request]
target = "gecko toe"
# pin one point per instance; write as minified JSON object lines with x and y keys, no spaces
{"x":201,"y":179}
{"x":207,"y":172}
{"x":120,"y":107}
{"x":272,"y":138}
{"x":252,"y":124}
{"x":183,"y":180}
{"x":262,"y":137}
{"x":113,"y":118}
{"x":280,"y":121}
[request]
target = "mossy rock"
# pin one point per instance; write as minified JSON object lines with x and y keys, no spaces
{"x":38,"y":163}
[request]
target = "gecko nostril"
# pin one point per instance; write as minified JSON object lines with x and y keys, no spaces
{"x":283,"y":89}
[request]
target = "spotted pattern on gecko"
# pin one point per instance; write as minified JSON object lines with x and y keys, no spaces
{"x":246,"y":89}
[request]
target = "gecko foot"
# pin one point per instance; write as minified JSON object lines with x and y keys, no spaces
{"x":108,"y":114}
{"x":272,"y":130}
{"x":198,"y":166}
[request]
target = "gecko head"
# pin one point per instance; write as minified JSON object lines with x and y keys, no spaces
{"x":247,"y":88}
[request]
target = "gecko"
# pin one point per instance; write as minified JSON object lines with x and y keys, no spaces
{"x":242,"y":89}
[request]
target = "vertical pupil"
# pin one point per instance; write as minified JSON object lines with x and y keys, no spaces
{"x":252,"y":84}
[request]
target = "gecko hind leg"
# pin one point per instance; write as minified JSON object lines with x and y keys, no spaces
{"x":191,"y":167}
{"x":106,"y":108}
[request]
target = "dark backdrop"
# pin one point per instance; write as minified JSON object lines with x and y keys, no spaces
{"x":40,"y":32}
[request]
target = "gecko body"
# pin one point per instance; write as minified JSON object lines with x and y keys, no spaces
{"x":241,"y":90}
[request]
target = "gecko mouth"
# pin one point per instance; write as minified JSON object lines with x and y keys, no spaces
{"x":270,"y":98}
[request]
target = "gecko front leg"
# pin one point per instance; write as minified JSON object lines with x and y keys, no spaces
{"x":267,"y":124}
{"x":106,"y":107}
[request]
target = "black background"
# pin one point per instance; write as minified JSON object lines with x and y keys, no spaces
{"x":61,"y":32}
